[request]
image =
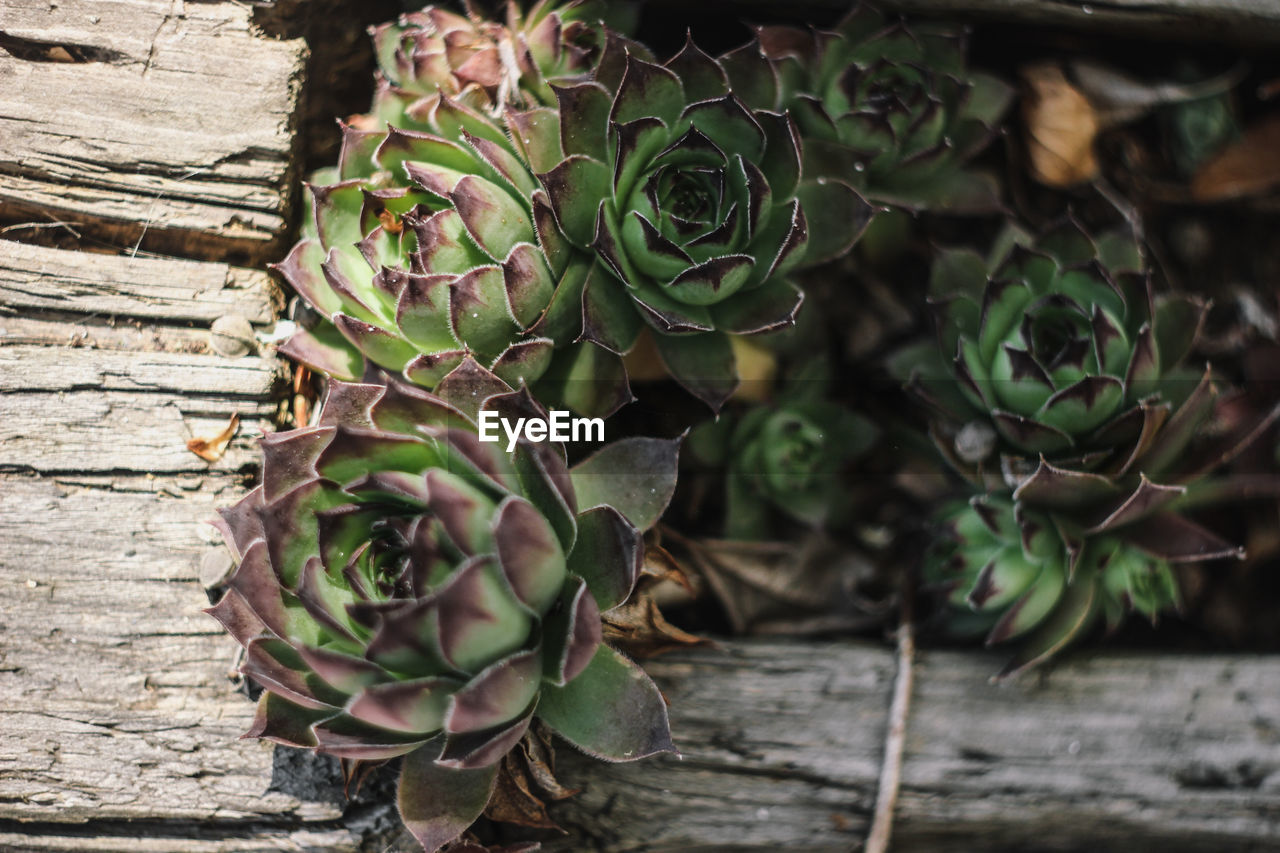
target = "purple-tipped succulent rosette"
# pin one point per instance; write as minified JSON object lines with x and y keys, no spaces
{"x":404,"y":589}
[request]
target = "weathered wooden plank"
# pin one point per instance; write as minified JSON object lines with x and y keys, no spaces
{"x":115,"y":700}
{"x":781,"y":746}
{"x":85,"y":431}
{"x":136,"y":336}
{"x":155,"y":117}
{"x":1244,"y":21}
{"x":43,"y":368}
{"x":39,"y":279}
{"x":169,"y":839}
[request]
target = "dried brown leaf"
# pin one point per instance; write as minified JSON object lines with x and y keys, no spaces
{"x":1248,"y":167}
{"x":211,"y":449}
{"x":526,"y":781}
{"x":1061,"y":126}
{"x":802,"y":587}
{"x":639,"y":629}
{"x":513,"y":801}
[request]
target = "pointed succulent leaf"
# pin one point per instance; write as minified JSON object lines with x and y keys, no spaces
{"x":280,"y":721}
{"x":608,"y":555}
{"x":497,"y":695}
{"x":529,"y":553}
{"x":415,"y":705}
{"x":1075,"y":613}
{"x":326,"y":351}
{"x":436,"y":803}
{"x":636,"y":476}
{"x":611,"y":710}
{"x":573,"y":632}
{"x":704,"y":364}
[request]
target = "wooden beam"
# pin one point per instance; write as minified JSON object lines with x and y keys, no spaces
{"x":781,"y":746}
{"x":157,"y":121}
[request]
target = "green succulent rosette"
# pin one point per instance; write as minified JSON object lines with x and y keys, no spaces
{"x":680,"y":205}
{"x":419,"y":251}
{"x":893,"y":107}
{"x":470,"y":57}
{"x":1060,"y":342}
{"x":783,"y":460}
{"x":405,"y":589}
{"x":1066,"y":402}
{"x":1010,"y":573}
{"x":422,"y":248}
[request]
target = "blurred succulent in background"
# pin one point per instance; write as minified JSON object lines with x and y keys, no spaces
{"x":787,"y":457}
{"x":891,"y":107}
{"x":1066,"y":393}
{"x":486,"y":63}
{"x":1058,"y":343}
{"x":403,"y":589}
{"x":685,"y":206}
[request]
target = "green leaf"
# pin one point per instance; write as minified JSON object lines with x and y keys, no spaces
{"x":438,"y":804}
{"x":607,"y":555}
{"x":611,"y":710}
{"x":647,"y":90}
{"x":989,"y":98}
{"x":575,"y":188}
{"x":324,"y":349}
{"x":704,"y":364}
{"x":493,"y":217}
{"x":636,"y":476}
{"x":586,"y":378}
{"x":837,"y":216}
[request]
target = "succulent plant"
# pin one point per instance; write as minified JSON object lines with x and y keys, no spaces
{"x":424,"y":245}
{"x":419,"y":251}
{"x":681,"y":207}
{"x":893,"y":107}
{"x":786,"y":457}
{"x":1010,"y":573}
{"x":467,"y":56}
{"x":1067,"y":405}
{"x":1059,"y":343}
{"x":404,"y":589}
{"x":1070,"y":543}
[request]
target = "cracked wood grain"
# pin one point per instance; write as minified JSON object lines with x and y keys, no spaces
{"x":170,"y":290}
{"x":782,"y":745}
{"x":171,"y":120}
{"x":115,"y":696}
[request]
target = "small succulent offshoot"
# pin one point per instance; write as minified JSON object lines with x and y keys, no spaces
{"x":403,"y":589}
{"x":784,"y":459}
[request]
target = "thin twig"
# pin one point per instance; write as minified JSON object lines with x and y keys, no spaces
{"x":895,"y":738}
{"x":36,"y":226}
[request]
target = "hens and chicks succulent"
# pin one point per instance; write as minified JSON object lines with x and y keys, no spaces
{"x":526,"y":201}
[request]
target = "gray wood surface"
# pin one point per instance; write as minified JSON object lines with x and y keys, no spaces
{"x":120,"y":116}
{"x":119,"y":717}
{"x":782,"y":742}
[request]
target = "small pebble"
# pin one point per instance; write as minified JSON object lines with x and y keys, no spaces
{"x":231,"y":336}
{"x":975,"y":441}
{"x":215,"y":568}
